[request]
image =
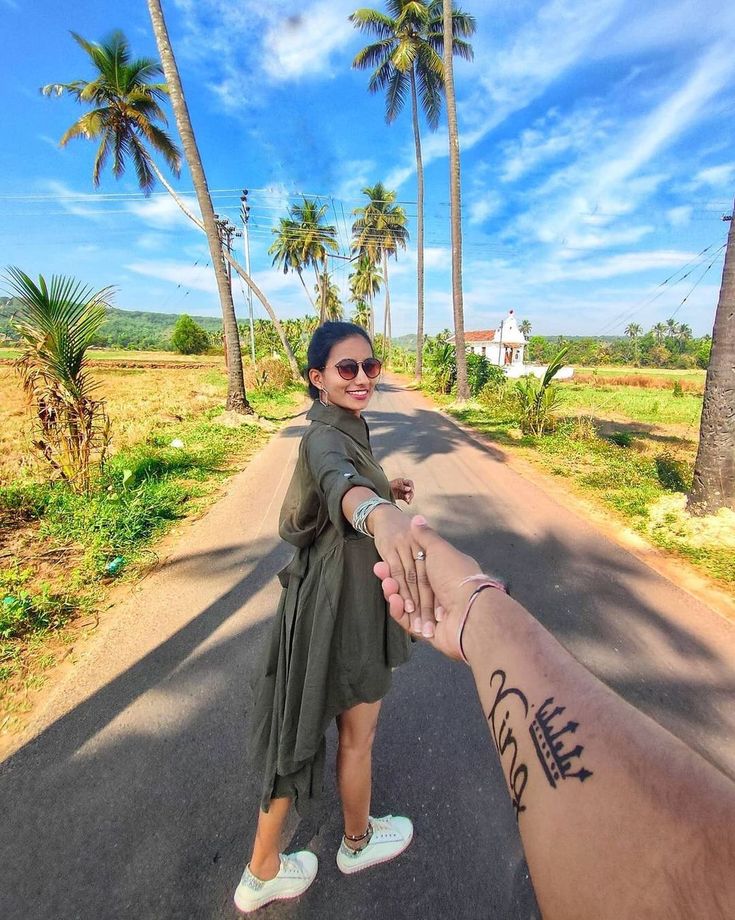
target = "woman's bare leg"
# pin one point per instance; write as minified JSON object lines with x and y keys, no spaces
{"x":357,"y":728}
{"x":265,"y":861}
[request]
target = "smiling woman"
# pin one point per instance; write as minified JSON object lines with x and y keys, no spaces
{"x":332,"y":648}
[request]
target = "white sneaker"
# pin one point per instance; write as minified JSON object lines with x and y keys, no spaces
{"x":390,"y":837}
{"x":297,"y":872}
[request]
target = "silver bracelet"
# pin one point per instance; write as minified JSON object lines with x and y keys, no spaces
{"x":360,"y":514}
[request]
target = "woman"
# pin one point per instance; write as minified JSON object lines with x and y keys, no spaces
{"x":332,"y":648}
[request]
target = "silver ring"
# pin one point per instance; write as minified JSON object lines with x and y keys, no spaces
{"x":420,"y":556}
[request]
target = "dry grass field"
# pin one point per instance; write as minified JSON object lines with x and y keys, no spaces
{"x":139,"y":399}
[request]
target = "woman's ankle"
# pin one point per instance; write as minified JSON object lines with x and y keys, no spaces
{"x":265,"y":869}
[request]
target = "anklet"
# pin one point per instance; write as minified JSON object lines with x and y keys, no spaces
{"x":361,"y":837}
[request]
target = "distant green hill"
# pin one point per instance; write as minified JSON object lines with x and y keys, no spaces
{"x":136,"y":329}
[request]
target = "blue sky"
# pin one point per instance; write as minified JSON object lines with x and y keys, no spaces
{"x":598,"y":156}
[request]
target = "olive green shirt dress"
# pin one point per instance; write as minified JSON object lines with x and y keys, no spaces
{"x":333,"y":644}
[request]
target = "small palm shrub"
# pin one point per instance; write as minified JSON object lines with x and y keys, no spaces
{"x":56,"y":324}
{"x":538,"y":399}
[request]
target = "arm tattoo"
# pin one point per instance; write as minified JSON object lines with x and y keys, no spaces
{"x":511,"y":705}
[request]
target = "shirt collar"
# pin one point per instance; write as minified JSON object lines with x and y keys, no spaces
{"x":352,"y":425}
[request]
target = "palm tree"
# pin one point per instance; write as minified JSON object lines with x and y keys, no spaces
{"x":328,"y":299}
{"x":286,"y":251}
{"x":57,"y":323}
{"x":659,"y":332}
{"x":525,"y":327}
{"x":455,"y":203}
{"x":406,"y":59}
{"x":671,"y":327}
{"x":714,"y":469}
{"x":313,"y":239}
{"x":633,"y":330}
{"x":361,"y":314}
{"x":124,"y":115}
{"x":365,"y":283}
{"x":379,"y":231}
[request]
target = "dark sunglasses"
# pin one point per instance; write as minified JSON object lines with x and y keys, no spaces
{"x":348,"y":369}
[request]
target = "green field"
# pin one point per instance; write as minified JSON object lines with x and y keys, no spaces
{"x":133,"y":357}
{"x":650,"y":407}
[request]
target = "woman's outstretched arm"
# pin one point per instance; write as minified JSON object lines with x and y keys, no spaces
{"x":619,"y":819}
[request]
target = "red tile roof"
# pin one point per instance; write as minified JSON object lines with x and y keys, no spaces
{"x":484,"y":335}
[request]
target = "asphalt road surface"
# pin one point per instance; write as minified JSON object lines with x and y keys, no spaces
{"x":135,"y":800}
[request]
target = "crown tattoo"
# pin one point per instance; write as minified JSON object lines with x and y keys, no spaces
{"x":550,"y":745}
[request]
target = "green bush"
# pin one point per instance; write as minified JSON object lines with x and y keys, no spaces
{"x":188,"y":337}
{"x":677,"y":389}
{"x":621,"y":438}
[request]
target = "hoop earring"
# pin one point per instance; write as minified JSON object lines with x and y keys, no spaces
{"x":324,"y":397}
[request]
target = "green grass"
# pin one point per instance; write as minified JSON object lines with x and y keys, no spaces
{"x":615,"y":370}
{"x":628,"y":477}
{"x":136,"y":498}
{"x":648,"y":406}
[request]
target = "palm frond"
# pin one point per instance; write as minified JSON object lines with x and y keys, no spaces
{"x":367,"y":20}
{"x":395,"y":97}
{"x":374,"y":55}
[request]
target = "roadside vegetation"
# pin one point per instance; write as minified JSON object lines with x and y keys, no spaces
{"x":624,"y":439}
{"x":157,"y":447}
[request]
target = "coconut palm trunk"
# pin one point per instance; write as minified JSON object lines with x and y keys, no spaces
{"x":419,"y":230}
{"x":236,"y":397}
{"x":386,"y":313}
{"x":455,"y":201}
{"x":714,"y":469}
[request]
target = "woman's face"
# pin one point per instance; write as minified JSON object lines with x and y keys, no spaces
{"x":352,"y":395}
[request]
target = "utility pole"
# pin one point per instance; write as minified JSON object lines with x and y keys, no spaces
{"x":227,"y":231}
{"x":245,"y":217}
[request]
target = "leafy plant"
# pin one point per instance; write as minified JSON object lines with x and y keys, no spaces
{"x":56,"y":325}
{"x":538,"y":399}
{"x":621,"y":438}
{"x":188,"y":338}
{"x":677,"y":389}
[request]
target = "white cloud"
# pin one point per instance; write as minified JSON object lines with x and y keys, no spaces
{"x":483,"y":207}
{"x":302,"y":43}
{"x":162,"y":212}
{"x":195,"y":277}
{"x":679,"y":216}
{"x":717,"y":176}
{"x":623,"y":264}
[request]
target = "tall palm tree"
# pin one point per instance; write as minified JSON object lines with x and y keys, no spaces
{"x":123,"y":117}
{"x":286,"y":251}
{"x":365,"y":283}
{"x":328,"y":299}
{"x":314,"y":240}
{"x":525,"y":327}
{"x":361,"y":314}
{"x":455,"y":203}
{"x":714,"y":469}
{"x":633,"y":330}
{"x":671,"y":328}
{"x":379,"y":232}
{"x":125,"y":109}
{"x":659,"y":332}
{"x":406,"y":60}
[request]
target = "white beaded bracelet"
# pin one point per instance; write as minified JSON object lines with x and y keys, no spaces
{"x":360,"y":514}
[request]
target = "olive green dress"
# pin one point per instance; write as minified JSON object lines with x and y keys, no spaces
{"x":333,"y":644}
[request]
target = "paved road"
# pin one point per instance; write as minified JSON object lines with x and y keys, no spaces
{"x":135,"y":800}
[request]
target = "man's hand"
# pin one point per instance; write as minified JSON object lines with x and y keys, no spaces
{"x":445,"y":568}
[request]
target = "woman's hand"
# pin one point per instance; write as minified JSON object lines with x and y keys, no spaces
{"x":444,"y":567}
{"x":396,"y":543}
{"x":402,"y":490}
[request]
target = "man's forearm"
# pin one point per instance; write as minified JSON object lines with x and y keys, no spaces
{"x":612,"y":824}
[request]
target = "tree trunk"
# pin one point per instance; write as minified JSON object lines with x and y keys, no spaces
{"x":419,"y":230}
{"x":243,"y":274}
{"x":371,"y":302}
{"x":386,"y":312}
{"x":455,"y":202}
{"x":306,"y":290}
{"x":268,"y":309}
{"x":714,"y":470}
{"x":236,"y":397}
